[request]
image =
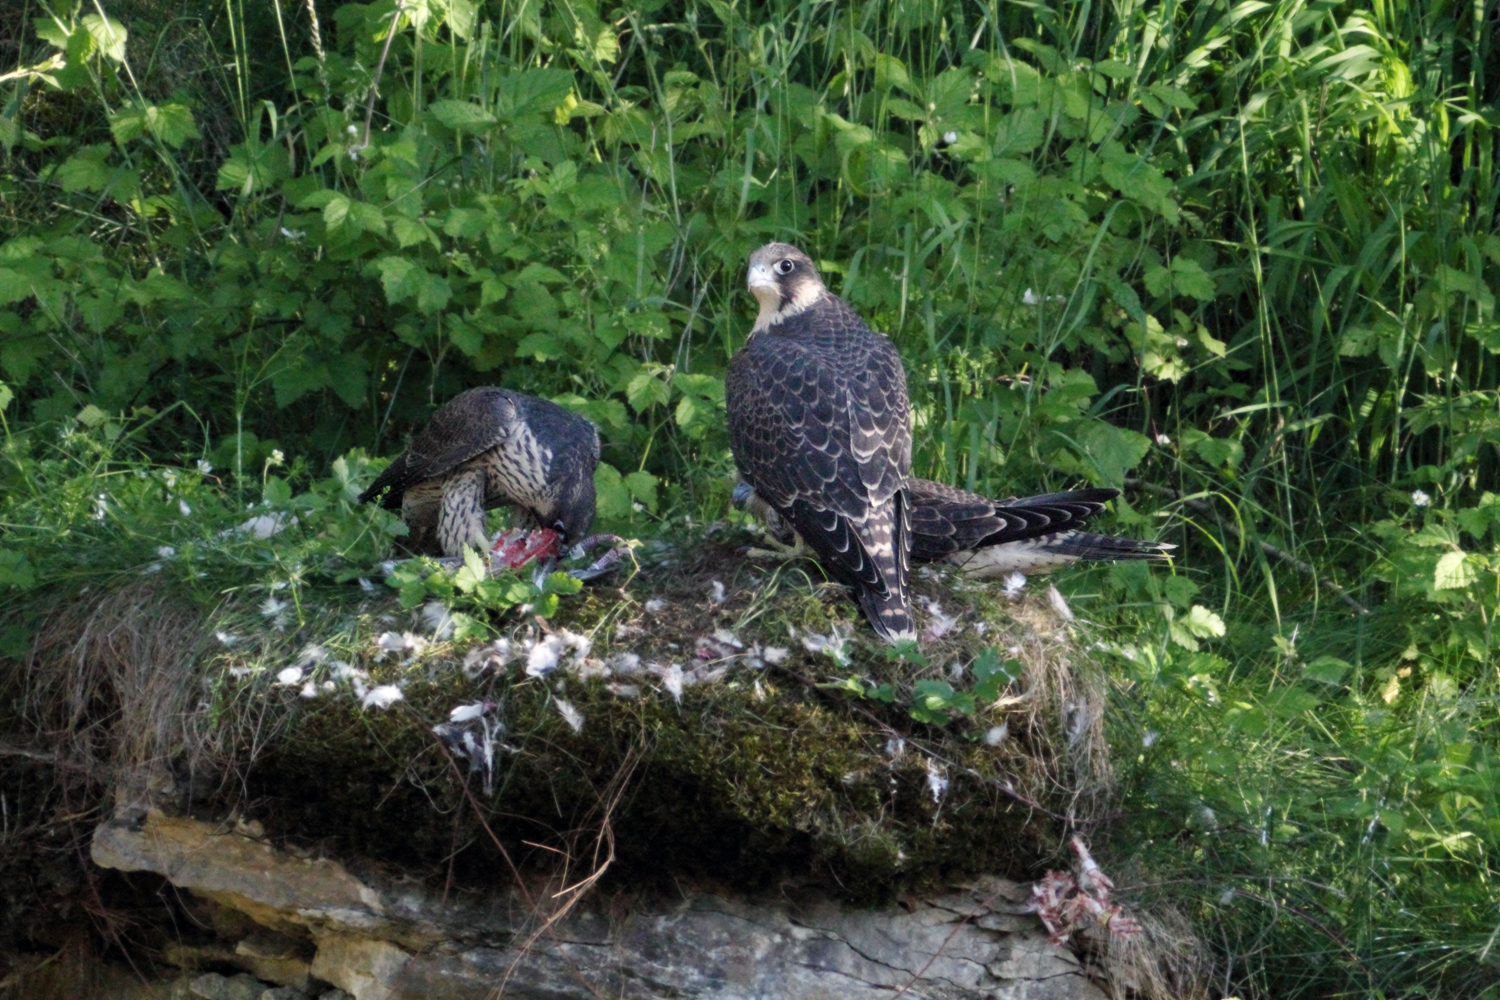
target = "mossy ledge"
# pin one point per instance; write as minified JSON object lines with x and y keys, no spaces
{"x":757,"y":776}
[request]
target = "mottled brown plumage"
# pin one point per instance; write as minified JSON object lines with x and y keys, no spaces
{"x":991,"y":538}
{"x":486,"y":448}
{"x":820,"y":426}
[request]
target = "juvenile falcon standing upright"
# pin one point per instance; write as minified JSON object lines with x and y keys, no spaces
{"x":820,"y":426}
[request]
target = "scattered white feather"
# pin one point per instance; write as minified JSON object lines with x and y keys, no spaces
{"x":1013,"y":584}
{"x":895,"y":747}
{"x":624,"y":663}
{"x":165,"y":551}
{"x":543,"y":657}
{"x":570,"y":714}
{"x":204,"y":467}
{"x":654,"y":605}
{"x":438,"y":618}
{"x":226,"y":639}
{"x":271,"y":607}
{"x":833,"y":645}
{"x":579,"y":644}
{"x":940,"y":623}
{"x":996,"y":735}
{"x":716,"y":593}
{"x":937,"y":781}
{"x":728,"y":638}
{"x":1059,"y":604}
{"x":1149,"y":737}
{"x":671,"y":679}
{"x":309,"y":690}
{"x":366,"y":585}
{"x":464,"y":713}
{"x":383,"y":696}
{"x":290,"y":676}
{"x":623,"y":690}
{"x":774,"y":655}
{"x":182,"y":505}
{"x":493,"y":657}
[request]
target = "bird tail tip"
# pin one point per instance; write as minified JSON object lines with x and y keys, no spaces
{"x":889,"y":616}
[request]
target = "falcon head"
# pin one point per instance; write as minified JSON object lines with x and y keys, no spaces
{"x":572,"y":510}
{"x":784,"y":282}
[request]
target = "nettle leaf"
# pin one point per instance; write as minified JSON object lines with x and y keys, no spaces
{"x":642,"y":486}
{"x":1107,"y":451}
{"x":108,"y":34}
{"x":170,"y":124}
{"x":645,"y":390}
{"x":1454,"y":571}
{"x":532,"y":91}
{"x":252,"y":167}
{"x":1184,"y":277}
{"x":612,"y":496}
{"x":86,"y":170}
{"x":461,"y":115}
{"x":1328,"y":670}
{"x":14,"y":286}
{"x":400,"y":277}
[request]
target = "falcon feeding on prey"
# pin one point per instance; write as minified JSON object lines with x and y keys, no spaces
{"x":993,"y":538}
{"x":486,"y":448}
{"x":820,"y":427}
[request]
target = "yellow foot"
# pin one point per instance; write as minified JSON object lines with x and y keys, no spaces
{"x":780,"y":552}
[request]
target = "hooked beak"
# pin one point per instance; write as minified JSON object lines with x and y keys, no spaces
{"x":762,"y":285}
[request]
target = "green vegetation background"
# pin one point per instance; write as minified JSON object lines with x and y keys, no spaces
{"x":1238,"y":255}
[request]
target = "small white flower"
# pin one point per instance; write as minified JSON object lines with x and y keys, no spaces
{"x":383,"y":696}
{"x":182,"y":505}
{"x":352,"y":129}
{"x":950,"y":138}
{"x":1163,"y":441}
{"x":204,"y":467}
{"x":1420,"y":498}
{"x":101,"y":507}
{"x":717,"y":593}
{"x":277,"y":458}
{"x":571,"y":715}
{"x":292,"y":234}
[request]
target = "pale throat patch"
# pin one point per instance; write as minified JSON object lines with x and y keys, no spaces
{"x":771,"y":309}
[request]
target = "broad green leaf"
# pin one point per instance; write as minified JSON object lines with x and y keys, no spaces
{"x":646,"y":390}
{"x":108,"y":34}
{"x":612,"y":496}
{"x":642,"y":486}
{"x":461,"y":115}
{"x":1453,"y":571}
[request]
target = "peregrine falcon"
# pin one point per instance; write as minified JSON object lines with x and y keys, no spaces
{"x":993,"y":538}
{"x":820,"y":426}
{"x":486,"y":448}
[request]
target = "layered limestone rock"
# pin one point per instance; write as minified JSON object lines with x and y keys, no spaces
{"x":313,"y":926}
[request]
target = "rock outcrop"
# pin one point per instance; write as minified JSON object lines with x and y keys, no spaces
{"x":313,"y":926}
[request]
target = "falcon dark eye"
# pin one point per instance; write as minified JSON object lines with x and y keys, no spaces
{"x":784,"y":267}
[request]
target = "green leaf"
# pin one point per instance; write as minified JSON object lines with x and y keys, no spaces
{"x":14,"y":286}
{"x":461,"y":115}
{"x":1184,"y":277}
{"x":612,"y":497}
{"x":170,"y":124}
{"x":642,"y":486}
{"x":1327,"y":670}
{"x":108,"y":34}
{"x":646,"y":390}
{"x":532,"y":91}
{"x":561,"y":583}
{"x":401,"y":278}
{"x":1203,"y":623}
{"x":1454,"y":571}
{"x":6,"y":395}
{"x":86,"y":170}
{"x":16,"y":571}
